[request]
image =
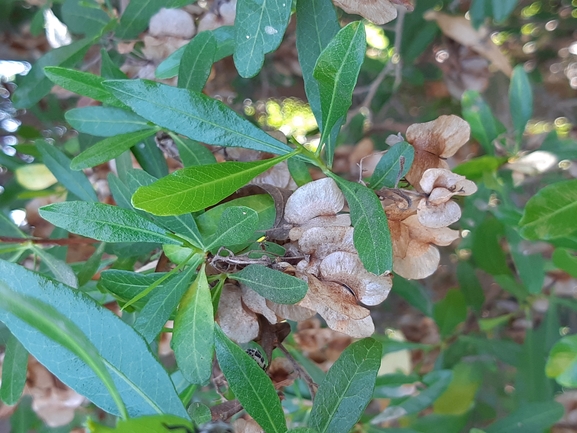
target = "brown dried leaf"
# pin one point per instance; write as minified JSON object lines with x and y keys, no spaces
{"x":236,"y":322}
{"x":377,"y":11}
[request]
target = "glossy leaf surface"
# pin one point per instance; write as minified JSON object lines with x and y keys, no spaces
{"x":105,"y":121}
{"x":371,"y":235}
{"x":109,"y":148}
{"x":104,"y":222}
{"x":196,"y":188}
{"x":250,"y":384}
{"x":392,"y":166}
{"x":196,"y":62}
{"x":260,"y":27}
{"x":14,"y":368}
{"x":142,"y":382}
{"x":193,"y":335}
{"x":347,"y":388}
{"x":193,"y":115}
{"x":550,"y":213}
{"x":336,"y":71}
{"x":272,"y":284}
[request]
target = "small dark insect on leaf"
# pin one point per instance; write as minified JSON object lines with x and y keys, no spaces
{"x":257,"y":356}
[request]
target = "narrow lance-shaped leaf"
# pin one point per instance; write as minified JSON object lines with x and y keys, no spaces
{"x":84,"y":17}
{"x":81,"y":83}
{"x":371,"y":236}
{"x":317,"y":24}
{"x":14,"y":368}
{"x":392,"y":166}
{"x":163,"y":300}
{"x":250,"y":384}
{"x":141,"y":381}
{"x":236,"y":225}
{"x":193,"y":153}
{"x":104,"y":222}
{"x":193,"y":115}
{"x":59,"y":165}
{"x":136,"y":16}
{"x":272,"y":284}
{"x":109,"y":148}
{"x":336,"y":71}
{"x":195,"y":188}
{"x":61,"y":271}
{"x":437,"y":382}
{"x":347,"y":388}
{"x":520,"y":100}
{"x":183,"y":225}
{"x":531,"y":417}
{"x":550,"y":213}
{"x":196,"y":62}
{"x":105,"y":121}
{"x":47,"y":320}
{"x":193,"y":335}
{"x":484,"y":127}
{"x":35,"y":85}
{"x":260,"y":27}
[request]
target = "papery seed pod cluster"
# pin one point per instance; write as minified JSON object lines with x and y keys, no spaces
{"x":321,"y":234}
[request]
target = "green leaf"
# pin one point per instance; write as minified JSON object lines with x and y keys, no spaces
{"x":550,"y":213}
{"x":529,"y":418}
{"x":371,"y":237}
{"x":347,"y":388}
{"x":299,"y":171}
{"x":145,"y":424}
{"x":562,"y":362}
{"x":82,"y":83}
{"x":193,"y":335}
{"x":108,"y":69}
{"x":35,"y":85}
{"x":150,"y":157}
{"x":459,"y":396}
{"x":487,"y":251}
{"x":565,"y":260}
{"x":84,"y":17}
{"x":437,"y":382}
{"x":109,"y":148}
{"x":91,"y":265}
{"x":503,"y":8}
{"x":105,"y":121}
{"x":224,"y":36}
{"x":272,"y":284}
{"x":196,"y":188}
{"x":530,"y":267}
{"x":478,"y":168}
{"x":317,"y":25}
{"x":192,"y":153}
{"x":59,"y":165}
{"x":484,"y":127}
{"x":161,"y":303}
{"x":520,"y":100}
{"x":450,"y":311}
{"x":104,"y":222}
{"x":237,"y":224}
{"x":392,"y":166}
{"x":183,"y":225}
{"x":125,"y":285}
{"x":14,"y":369}
{"x":336,"y":71}
{"x":144,"y":386}
{"x":193,"y":115}
{"x":61,"y":271}
{"x":470,"y":286}
{"x":415,"y":294}
{"x":196,"y":62}
{"x":250,"y":384}
{"x":45,"y":319}
{"x":260,"y":27}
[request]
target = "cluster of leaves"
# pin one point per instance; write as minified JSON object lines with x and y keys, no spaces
{"x":56,"y":314}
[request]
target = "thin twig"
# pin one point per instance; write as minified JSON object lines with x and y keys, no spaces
{"x":301,"y":371}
